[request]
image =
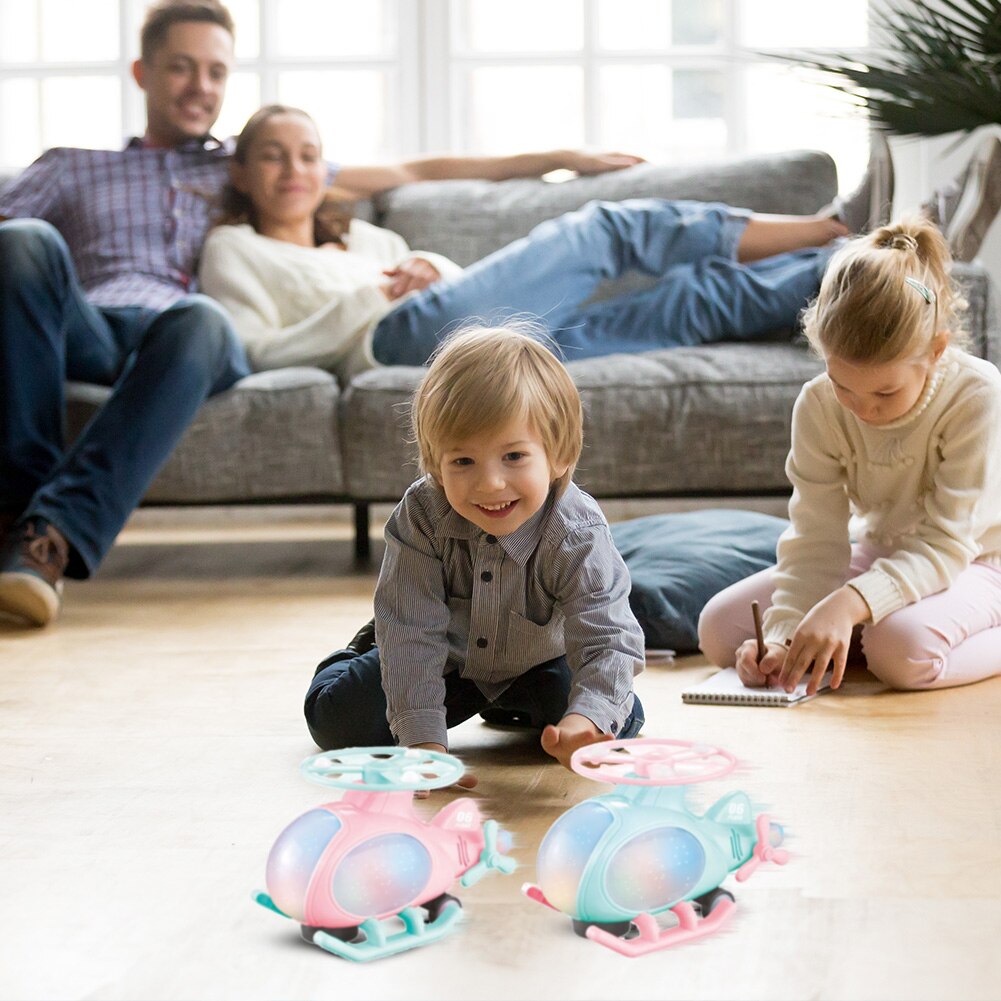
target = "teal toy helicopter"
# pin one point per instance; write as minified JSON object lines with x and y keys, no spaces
{"x":615,"y":861}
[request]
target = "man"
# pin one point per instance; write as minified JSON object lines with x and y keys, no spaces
{"x":97,"y":259}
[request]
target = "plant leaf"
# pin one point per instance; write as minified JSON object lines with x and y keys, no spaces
{"x":937,"y":70}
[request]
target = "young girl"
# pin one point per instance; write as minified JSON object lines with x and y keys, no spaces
{"x":898,"y":447}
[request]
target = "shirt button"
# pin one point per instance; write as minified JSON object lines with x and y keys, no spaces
{"x":614,"y":728}
{"x":481,"y":642}
{"x":492,"y":540}
{"x":486,"y":576}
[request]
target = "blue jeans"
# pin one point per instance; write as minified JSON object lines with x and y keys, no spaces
{"x":702,"y":293}
{"x":161,"y":365}
{"x":346,"y":704}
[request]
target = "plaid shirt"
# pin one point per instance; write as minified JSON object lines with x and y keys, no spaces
{"x":134,"y":219}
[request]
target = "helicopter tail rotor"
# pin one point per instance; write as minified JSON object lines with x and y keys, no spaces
{"x":766,"y":849}
{"x":492,"y":856}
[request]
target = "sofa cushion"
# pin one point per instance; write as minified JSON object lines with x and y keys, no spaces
{"x":706,"y":420}
{"x":273,"y":436}
{"x":679,"y":561}
{"x":466,"y":220}
{"x":380,"y":460}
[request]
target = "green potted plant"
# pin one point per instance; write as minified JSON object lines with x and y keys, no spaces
{"x":937,"y":69}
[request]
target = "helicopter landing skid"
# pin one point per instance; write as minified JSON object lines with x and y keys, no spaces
{"x":690,"y":928}
{"x":417,"y":931}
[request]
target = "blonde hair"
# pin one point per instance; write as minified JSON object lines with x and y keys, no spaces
{"x":886,"y":295}
{"x":483,"y":377}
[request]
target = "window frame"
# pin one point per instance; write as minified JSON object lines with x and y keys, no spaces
{"x":425,"y":72}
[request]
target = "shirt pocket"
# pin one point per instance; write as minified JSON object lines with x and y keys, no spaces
{"x":529,"y":644}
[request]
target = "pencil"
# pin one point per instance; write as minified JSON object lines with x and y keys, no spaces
{"x":758,"y":632}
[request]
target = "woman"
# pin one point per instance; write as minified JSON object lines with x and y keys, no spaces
{"x":349,"y":296}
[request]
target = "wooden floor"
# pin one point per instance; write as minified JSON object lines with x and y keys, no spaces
{"x":151,"y":741}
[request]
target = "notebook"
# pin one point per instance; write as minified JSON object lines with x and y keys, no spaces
{"x":726,"y":688}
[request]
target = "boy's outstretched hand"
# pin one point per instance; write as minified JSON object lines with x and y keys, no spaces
{"x":571,"y":732}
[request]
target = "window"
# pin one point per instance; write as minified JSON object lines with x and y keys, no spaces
{"x":674,"y":80}
{"x":50,"y":83}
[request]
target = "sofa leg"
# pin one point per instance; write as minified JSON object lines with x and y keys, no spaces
{"x":363,"y":545}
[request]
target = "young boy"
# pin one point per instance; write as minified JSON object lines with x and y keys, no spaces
{"x":500,"y":591}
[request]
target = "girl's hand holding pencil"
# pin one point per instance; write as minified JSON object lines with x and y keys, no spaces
{"x":757,"y":662}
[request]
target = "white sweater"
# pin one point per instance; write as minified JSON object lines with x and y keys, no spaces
{"x":295,"y":305}
{"x":925,"y":491}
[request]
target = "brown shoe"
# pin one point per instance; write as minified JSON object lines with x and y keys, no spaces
{"x":32,"y":564}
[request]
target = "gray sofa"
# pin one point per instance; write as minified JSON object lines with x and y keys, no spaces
{"x":708,"y":421}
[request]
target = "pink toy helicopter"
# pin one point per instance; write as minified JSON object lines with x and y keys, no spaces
{"x":617,"y":859}
{"x":351,"y":870}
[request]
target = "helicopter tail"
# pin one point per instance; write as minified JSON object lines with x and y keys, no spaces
{"x":735,"y":813}
{"x":463,"y":815}
{"x":464,"y":821}
{"x":734,"y":808}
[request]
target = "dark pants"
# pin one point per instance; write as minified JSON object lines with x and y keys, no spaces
{"x":162,"y":366}
{"x":346,"y":705}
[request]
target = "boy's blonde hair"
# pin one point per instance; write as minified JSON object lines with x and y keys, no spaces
{"x":886,"y":295}
{"x":480,"y":379}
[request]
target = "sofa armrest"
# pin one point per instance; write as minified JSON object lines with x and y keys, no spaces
{"x":982,"y":321}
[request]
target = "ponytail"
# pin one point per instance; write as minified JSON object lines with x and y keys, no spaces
{"x":886,"y":295}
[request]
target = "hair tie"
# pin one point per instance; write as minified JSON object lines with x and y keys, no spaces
{"x":926,"y":293}
{"x":899,"y":241}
